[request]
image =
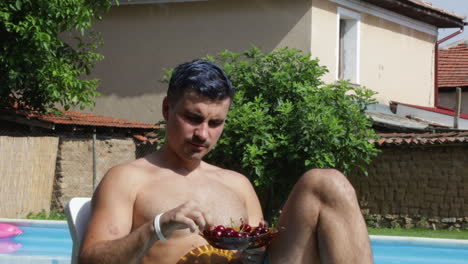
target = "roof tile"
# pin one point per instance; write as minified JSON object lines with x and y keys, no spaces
{"x":453,"y":66}
{"x":396,"y":139}
{"x":79,"y":119}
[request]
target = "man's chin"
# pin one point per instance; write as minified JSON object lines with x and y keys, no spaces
{"x":196,"y":156}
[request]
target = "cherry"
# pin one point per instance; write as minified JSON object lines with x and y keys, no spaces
{"x":228,"y":232}
{"x":245,"y":228}
{"x":237,"y":234}
{"x":254,"y":234}
{"x":220,"y":228}
{"x":217,"y":233}
{"x":263,"y":230}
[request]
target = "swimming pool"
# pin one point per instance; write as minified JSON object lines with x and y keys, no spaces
{"x":49,"y":242}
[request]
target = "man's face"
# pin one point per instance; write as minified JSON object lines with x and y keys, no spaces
{"x":194,"y":124}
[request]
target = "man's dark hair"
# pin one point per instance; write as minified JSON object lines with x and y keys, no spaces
{"x":201,"y":76}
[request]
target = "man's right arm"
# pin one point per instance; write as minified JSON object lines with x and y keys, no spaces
{"x":109,"y":238}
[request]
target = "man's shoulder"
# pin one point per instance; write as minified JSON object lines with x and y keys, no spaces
{"x":132,"y":169}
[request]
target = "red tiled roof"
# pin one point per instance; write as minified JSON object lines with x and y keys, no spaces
{"x":453,"y":66}
{"x":401,"y":139}
{"x":79,"y":119}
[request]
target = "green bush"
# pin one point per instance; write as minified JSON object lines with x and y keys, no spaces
{"x":42,"y":215}
{"x":284,"y":120}
{"x":37,"y":68}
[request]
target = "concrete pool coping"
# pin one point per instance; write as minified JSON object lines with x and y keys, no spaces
{"x":35,"y":223}
{"x":417,"y":241}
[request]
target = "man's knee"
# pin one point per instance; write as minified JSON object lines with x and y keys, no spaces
{"x":329,"y":185}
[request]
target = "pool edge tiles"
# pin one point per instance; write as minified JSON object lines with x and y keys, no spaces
{"x":35,"y":223}
{"x":420,"y":241}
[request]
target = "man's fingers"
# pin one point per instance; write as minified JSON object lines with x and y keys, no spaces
{"x":199,"y":219}
{"x":208,"y":220}
{"x":187,"y":215}
{"x":188,"y":222}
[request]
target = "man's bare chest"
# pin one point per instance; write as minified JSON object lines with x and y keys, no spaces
{"x":215,"y":198}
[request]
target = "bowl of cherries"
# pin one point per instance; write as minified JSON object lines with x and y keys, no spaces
{"x":239,"y":238}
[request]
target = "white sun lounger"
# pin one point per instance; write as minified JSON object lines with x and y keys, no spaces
{"x":78,"y":211}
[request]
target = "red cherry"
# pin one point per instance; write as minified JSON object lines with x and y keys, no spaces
{"x":245,"y":228}
{"x":237,"y":234}
{"x":220,"y":228}
{"x":206,"y":232}
{"x":254,"y":234}
{"x":228,"y":233}
{"x":216,"y":233}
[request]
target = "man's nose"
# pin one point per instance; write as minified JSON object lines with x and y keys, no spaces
{"x":201,"y":132}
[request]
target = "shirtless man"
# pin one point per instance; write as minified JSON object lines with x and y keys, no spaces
{"x":321,"y":217}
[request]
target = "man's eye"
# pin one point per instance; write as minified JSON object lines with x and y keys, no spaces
{"x":194,"y":119}
{"x":215,"y":123}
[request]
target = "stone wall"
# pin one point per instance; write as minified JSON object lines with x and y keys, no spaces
{"x":411,"y":185}
{"x":74,"y":172}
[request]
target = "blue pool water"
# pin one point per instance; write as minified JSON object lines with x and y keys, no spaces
{"x":53,"y":245}
{"x":416,"y":254}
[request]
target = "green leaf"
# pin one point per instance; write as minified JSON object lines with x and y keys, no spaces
{"x":39,"y":67}
{"x":18,"y":5}
{"x":286,"y":120}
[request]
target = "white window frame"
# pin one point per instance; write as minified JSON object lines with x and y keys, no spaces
{"x":348,"y":14}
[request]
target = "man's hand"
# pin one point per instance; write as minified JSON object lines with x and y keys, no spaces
{"x":188,"y":215}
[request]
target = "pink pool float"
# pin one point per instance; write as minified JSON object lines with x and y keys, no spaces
{"x":8,"y":246}
{"x":7,"y":230}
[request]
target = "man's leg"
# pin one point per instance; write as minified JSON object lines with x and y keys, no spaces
{"x":323,"y":223}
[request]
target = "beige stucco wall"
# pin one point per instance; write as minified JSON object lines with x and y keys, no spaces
{"x":141,"y":40}
{"x":395,"y":61}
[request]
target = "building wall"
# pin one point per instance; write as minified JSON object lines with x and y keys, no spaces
{"x":415,"y":182}
{"x":142,"y":40}
{"x":74,"y":173}
{"x":448,"y":99}
{"x":395,"y":60}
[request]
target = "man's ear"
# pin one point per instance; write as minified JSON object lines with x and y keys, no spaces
{"x":165,"y":108}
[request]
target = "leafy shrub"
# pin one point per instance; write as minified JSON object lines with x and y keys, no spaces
{"x":284,"y":120}
{"x":42,"y":215}
{"x":37,"y":68}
